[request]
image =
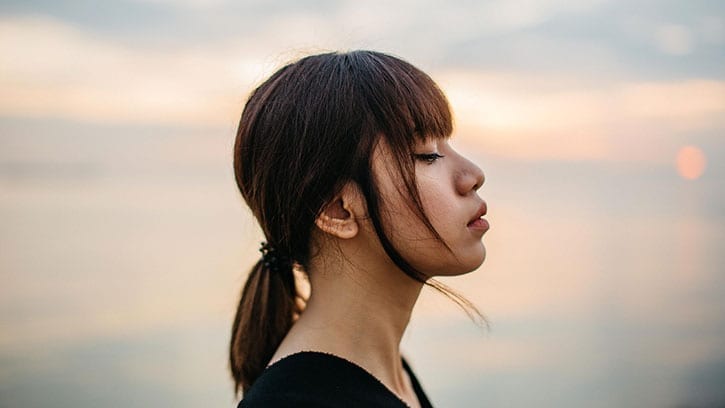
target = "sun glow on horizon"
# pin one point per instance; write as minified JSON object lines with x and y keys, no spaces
{"x":690,"y":162}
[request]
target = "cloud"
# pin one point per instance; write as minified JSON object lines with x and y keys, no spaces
{"x":50,"y":69}
{"x":555,"y":118}
{"x":674,"y":39}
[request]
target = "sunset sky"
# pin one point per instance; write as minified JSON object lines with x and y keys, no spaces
{"x":561,"y":79}
{"x":600,"y":125}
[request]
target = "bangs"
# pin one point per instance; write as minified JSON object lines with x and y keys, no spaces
{"x":403,"y":102}
{"x":424,"y":107}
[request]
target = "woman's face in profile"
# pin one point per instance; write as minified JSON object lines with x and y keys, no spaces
{"x":447,"y":183}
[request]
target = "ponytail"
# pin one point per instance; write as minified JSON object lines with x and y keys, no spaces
{"x":266,"y":311}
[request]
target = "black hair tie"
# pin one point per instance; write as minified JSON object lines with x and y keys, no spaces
{"x":273,"y":259}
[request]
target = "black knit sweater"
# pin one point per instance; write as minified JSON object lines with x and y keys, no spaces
{"x":319,"y":380}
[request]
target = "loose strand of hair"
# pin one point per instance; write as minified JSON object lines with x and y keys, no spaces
{"x":461,"y":301}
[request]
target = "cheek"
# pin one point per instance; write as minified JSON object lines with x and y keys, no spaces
{"x":408,"y":232}
{"x":419,"y":245}
{"x":439,"y":203}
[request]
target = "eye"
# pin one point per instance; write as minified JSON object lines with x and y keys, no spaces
{"x":428,"y":157}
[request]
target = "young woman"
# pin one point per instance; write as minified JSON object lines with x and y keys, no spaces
{"x":344,"y":160}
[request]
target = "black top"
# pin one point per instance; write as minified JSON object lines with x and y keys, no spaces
{"x":312,"y":379}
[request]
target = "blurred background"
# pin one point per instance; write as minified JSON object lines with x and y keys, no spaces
{"x":600,"y":125}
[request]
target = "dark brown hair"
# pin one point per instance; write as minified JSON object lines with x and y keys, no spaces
{"x":304,"y":133}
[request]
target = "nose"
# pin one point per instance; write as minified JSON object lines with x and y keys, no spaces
{"x":471,"y":177}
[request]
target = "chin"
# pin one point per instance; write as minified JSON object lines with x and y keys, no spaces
{"x":440,"y":261}
{"x":463,"y":266}
{"x":483,"y":255}
{"x":473,"y":262}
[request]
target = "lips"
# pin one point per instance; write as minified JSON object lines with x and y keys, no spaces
{"x":482,"y":210}
{"x":477,"y":222}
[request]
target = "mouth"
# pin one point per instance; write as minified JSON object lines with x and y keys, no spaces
{"x":478,"y":222}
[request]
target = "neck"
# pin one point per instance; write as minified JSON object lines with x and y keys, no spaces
{"x":367,"y":310}
{"x":358,"y":309}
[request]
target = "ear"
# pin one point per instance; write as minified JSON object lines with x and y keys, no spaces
{"x":338,"y":218}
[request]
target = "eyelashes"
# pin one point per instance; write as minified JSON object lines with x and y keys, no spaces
{"x":429,"y":158}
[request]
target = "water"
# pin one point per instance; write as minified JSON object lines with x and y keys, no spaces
{"x":123,"y":248}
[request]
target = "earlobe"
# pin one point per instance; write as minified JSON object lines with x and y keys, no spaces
{"x":338,"y":217}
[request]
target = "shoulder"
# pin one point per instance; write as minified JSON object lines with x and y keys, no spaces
{"x":314,"y":379}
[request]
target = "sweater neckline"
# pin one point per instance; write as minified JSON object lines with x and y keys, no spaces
{"x":413,"y":380}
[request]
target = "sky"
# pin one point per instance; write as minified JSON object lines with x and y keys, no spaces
{"x":573,"y":70}
{"x":599,"y":124}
